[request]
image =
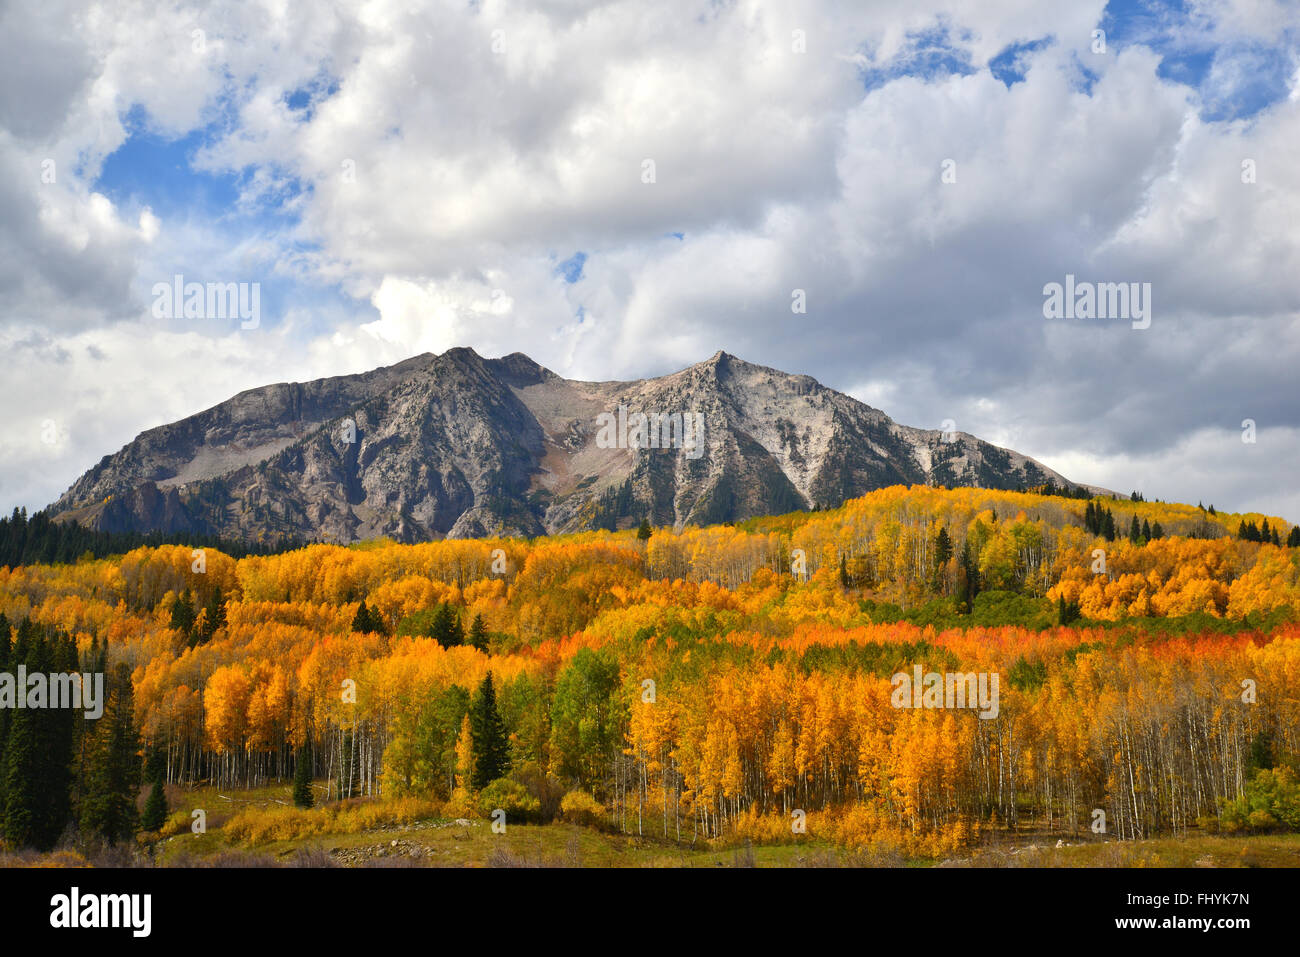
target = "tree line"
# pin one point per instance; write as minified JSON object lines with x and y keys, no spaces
{"x":43,"y":539}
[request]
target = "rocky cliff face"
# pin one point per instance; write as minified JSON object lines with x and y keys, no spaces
{"x":461,"y":446}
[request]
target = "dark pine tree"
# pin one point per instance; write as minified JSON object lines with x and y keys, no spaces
{"x":6,"y":653}
{"x":154,"y":815}
{"x":59,"y":728}
{"x":942,"y":547}
{"x":968,"y":580}
{"x":183,"y":613}
{"x":22,"y":760}
{"x":214,"y":617}
{"x":363,"y":621}
{"x":302,"y":796}
{"x":478,"y":635}
{"x":108,"y":809}
{"x":38,"y":751}
{"x":644,"y":530}
{"x":446,"y":628}
{"x":488,"y":733}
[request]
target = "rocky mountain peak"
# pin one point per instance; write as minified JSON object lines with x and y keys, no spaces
{"x":461,"y":445}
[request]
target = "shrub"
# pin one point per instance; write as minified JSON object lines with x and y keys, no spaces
{"x":579,"y":807}
{"x":263,"y":825}
{"x":177,"y":822}
{"x":1271,"y":802}
{"x":511,"y":797}
{"x":460,"y":804}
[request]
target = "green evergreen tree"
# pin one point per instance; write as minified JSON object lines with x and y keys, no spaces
{"x":38,"y":749}
{"x":214,"y":617}
{"x":968,"y":580}
{"x":488,"y":731}
{"x":183,"y":613}
{"x":22,"y":760}
{"x":113,"y":770}
{"x":6,"y":653}
{"x":446,"y":628}
{"x":363,"y":621}
{"x":1066,"y":612}
{"x":59,"y":728}
{"x":478,"y":635}
{"x":440,"y":626}
{"x":643,"y":530}
{"x":942,"y":547}
{"x":155,"y":764}
{"x":302,"y":796}
{"x":154,"y":815}
{"x":1261,"y":751}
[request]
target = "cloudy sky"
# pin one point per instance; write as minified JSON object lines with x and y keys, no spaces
{"x":621,"y":189}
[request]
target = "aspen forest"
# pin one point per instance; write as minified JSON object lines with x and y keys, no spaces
{"x":705,"y":686}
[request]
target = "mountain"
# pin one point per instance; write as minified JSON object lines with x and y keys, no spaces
{"x":455,"y":445}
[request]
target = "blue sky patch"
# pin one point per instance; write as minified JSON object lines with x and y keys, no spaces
{"x":571,"y":268}
{"x":152,"y":170}
{"x":1235,"y":81}
{"x":928,"y":54}
{"x":306,"y":98}
{"x":1010,"y":63}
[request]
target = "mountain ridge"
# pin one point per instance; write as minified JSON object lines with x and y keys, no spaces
{"x":458,"y":445}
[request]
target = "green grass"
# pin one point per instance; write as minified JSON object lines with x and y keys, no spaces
{"x":440,"y":842}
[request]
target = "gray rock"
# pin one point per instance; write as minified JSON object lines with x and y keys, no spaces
{"x":459,"y":446}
